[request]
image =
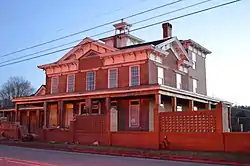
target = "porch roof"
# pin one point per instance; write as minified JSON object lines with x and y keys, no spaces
{"x":191,"y":94}
{"x":146,"y":89}
{"x":108,"y":92}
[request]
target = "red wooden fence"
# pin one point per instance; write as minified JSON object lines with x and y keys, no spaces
{"x":193,"y":121}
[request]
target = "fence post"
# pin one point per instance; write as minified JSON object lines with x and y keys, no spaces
{"x":157,"y":119}
{"x":107,"y":106}
{"x":219,"y":125}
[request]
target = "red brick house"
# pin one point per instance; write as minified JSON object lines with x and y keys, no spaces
{"x":123,"y":85}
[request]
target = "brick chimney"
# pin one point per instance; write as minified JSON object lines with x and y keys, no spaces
{"x":167,"y":30}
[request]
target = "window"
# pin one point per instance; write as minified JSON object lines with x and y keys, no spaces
{"x":112,"y":80}
{"x":179,"y":108}
{"x":134,"y":114}
{"x":71,"y":83}
{"x":194,"y":59}
{"x":90,"y":80}
{"x":194,"y":85}
{"x":68,"y":114}
{"x":82,"y":108}
{"x":178,"y":80}
{"x":95,"y":107}
{"x":134,"y":76}
{"x":160,"y":75}
{"x":54,"y":84}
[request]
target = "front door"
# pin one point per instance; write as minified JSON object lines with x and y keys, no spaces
{"x":34,"y":122}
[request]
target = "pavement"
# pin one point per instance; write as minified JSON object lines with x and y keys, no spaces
{"x":60,"y":158}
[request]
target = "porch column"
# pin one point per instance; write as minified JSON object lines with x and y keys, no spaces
{"x":45,"y":114}
{"x":173,"y":103}
{"x":38,"y":119}
{"x":208,"y":106}
{"x":17,"y":117}
{"x":11,"y":116}
{"x":157,"y":119}
{"x":191,"y":105}
{"x":61,"y":111}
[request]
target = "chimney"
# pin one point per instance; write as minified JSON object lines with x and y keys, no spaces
{"x":167,"y":30}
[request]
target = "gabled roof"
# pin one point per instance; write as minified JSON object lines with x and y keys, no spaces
{"x":39,"y":91}
{"x":85,"y":41}
{"x":65,"y":59}
{"x":197,"y":46}
{"x":161,"y":43}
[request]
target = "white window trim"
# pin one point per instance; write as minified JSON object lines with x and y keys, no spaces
{"x":196,"y":85}
{"x":159,"y":76}
{"x":194,"y":60}
{"x":73,"y":82}
{"x":51,"y":84}
{"x":116,"y":77}
{"x":130,"y":113}
{"x":139,"y":73}
{"x":87,"y":80}
{"x":178,"y":74}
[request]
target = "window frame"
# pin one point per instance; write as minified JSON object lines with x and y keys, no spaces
{"x":138,"y":112}
{"x":51,"y":84}
{"x":158,"y":77}
{"x":116,"y":84}
{"x":68,"y":83}
{"x":94,"y":86}
{"x":130,"y":75}
{"x":194,"y":55}
{"x":195,"y":80}
{"x":178,"y":74}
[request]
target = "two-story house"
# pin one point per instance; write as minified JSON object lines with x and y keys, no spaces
{"x":122,"y":79}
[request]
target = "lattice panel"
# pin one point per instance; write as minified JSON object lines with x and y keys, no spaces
{"x":200,"y":121}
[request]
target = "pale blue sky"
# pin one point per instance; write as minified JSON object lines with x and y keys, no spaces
{"x":225,"y":31}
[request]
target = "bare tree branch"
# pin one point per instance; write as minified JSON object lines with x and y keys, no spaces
{"x":15,"y":87}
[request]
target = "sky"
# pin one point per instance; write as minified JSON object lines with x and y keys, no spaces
{"x":225,"y":31}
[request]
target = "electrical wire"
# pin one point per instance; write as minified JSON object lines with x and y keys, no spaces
{"x":52,"y":48}
{"x":92,"y":28}
{"x":150,"y":25}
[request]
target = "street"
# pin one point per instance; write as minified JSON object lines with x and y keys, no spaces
{"x":80,"y":159}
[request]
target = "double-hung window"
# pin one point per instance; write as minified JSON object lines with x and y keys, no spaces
{"x":71,"y":83}
{"x":90,"y":80}
{"x":134,"y":114}
{"x":113,"y":78}
{"x":178,"y":80}
{"x":160,"y":75}
{"x":134,"y":75}
{"x":194,"y":60}
{"x":54,"y":84}
{"x":194,"y":85}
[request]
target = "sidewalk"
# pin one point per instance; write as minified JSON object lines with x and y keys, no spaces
{"x":188,"y":156}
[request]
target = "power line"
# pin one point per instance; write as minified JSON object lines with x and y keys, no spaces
{"x":185,"y":15}
{"x":150,"y":25}
{"x":98,"y":26}
{"x":173,"y":11}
